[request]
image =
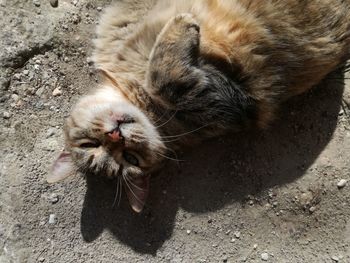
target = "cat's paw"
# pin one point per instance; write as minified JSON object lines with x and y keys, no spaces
{"x":181,"y":25}
{"x":180,"y":33}
{"x":186,"y":21}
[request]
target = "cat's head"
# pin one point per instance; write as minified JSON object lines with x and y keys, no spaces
{"x":107,"y":135}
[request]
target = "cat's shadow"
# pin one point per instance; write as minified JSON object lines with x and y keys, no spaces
{"x":219,"y":172}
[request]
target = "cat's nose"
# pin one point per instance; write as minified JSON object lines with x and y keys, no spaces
{"x":115,"y":135}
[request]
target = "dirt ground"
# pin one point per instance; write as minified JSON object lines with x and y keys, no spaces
{"x":266,"y":196}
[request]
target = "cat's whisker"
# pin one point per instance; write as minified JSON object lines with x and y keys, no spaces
{"x":134,"y":185}
{"x":174,"y":140}
{"x":169,"y":158}
{"x":117,"y":193}
{"x":174,"y":152}
{"x":186,"y":133}
{"x":171,"y":117}
{"x":128,"y":186}
{"x":161,"y":117}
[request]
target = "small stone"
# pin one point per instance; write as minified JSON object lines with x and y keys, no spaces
{"x":15,"y":97}
{"x":53,"y":198}
{"x":54,"y":3}
{"x":188,"y":232}
{"x":52,"y":219}
{"x":99,"y":8}
{"x":40,"y":91}
{"x":6,"y":115}
{"x":232,"y":240}
{"x":255,"y":246}
{"x":342,"y":183}
{"x":265,"y":256}
{"x":26,"y":72}
{"x":50,"y":132}
{"x":57,"y":92}
{"x":312,"y":209}
{"x":237,"y":234}
{"x":41,"y":259}
{"x":36,"y":3}
{"x":335,"y":258}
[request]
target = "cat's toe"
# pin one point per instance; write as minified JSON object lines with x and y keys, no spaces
{"x":187,"y":20}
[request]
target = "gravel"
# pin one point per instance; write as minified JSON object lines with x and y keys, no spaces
{"x":57,"y":92}
{"x":342,"y":183}
{"x":265,"y":256}
{"x":335,"y":258}
{"x":52,"y":219}
{"x":53,"y":198}
{"x":6,"y":115}
{"x":36,"y":3}
{"x":54,"y":3}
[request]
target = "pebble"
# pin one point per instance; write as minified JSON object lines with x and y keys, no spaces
{"x":41,"y":259}
{"x":264,"y":256}
{"x":237,"y":234}
{"x":52,"y":219}
{"x":99,"y":8}
{"x":15,"y":97}
{"x":6,"y":115}
{"x":54,"y":3}
{"x":53,"y":198}
{"x":57,"y":92}
{"x":50,"y":132}
{"x":342,"y":183}
{"x":335,"y":258}
{"x":312,"y":209}
{"x":36,"y":3}
{"x":40,"y":91}
{"x":26,"y":72}
{"x":188,"y":232}
{"x":255,"y":246}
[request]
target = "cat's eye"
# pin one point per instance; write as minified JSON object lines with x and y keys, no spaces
{"x":130,"y":158}
{"x":90,"y":145}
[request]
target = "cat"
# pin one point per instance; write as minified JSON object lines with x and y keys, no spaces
{"x":175,"y":73}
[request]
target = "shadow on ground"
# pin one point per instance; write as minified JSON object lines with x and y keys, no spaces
{"x":219,"y":172}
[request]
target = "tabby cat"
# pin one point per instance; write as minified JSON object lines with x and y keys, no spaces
{"x":175,"y":73}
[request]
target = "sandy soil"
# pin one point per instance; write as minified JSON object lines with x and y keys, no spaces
{"x":265,"y":196}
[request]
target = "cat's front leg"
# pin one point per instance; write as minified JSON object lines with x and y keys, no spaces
{"x":173,"y":65}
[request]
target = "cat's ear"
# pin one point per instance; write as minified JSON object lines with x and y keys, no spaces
{"x":137,"y":191}
{"x":62,"y":168}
